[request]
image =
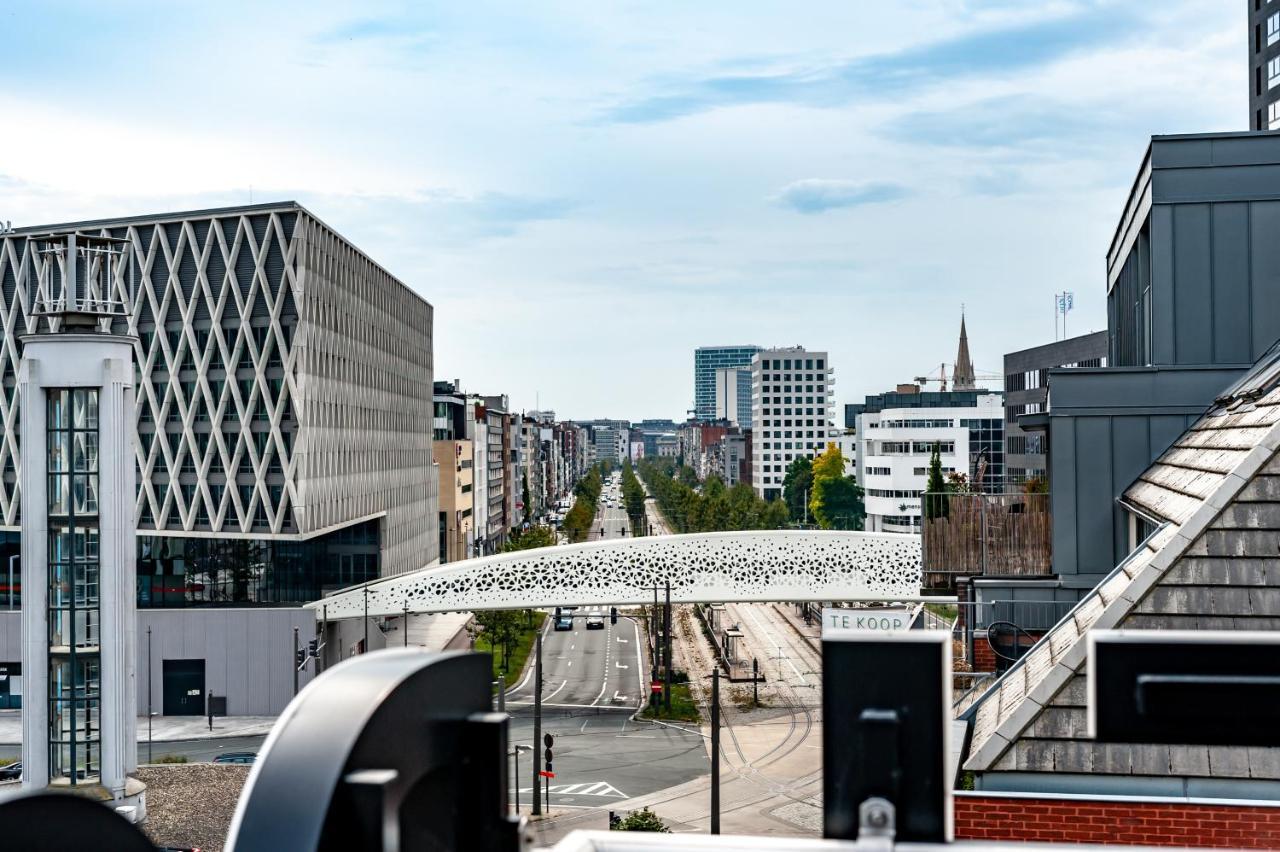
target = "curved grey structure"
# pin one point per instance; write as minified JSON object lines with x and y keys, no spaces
{"x":766,"y":565}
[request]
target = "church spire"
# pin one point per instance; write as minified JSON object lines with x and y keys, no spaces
{"x":963,"y":378}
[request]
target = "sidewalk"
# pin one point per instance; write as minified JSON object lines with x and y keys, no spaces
{"x":163,"y":728}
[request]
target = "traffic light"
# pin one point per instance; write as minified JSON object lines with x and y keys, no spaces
{"x":613,"y":615}
{"x":299,"y":657}
{"x":548,"y":741}
{"x":313,"y":648}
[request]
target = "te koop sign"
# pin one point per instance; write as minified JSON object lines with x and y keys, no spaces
{"x":837,"y":621}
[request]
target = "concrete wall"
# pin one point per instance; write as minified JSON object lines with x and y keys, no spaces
{"x":1106,"y":426}
{"x":248,"y":653}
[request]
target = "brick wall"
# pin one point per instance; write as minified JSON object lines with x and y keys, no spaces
{"x":984,"y":659}
{"x":1070,"y":820}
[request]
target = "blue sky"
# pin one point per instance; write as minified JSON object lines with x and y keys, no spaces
{"x":588,"y":191}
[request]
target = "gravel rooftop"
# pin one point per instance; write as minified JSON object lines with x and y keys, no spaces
{"x":191,"y":804}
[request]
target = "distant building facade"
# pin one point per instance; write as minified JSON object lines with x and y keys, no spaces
{"x":790,"y":409}
{"x":1264,"y":65}
{"x":453,"y":450}
{"x":733,"y":395}
{"x":708,"y":359}
{"x":1026,"y":392}
{"x":895,"y":445}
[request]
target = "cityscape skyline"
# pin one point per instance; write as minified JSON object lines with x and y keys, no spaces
{"x":795,"y":221}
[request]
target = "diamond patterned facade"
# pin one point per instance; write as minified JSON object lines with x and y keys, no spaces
{"x":777,"y":565}
{"x":285,"y":379}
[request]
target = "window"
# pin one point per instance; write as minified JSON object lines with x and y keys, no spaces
{"x":1273,"y":115}
{"x":1273,"y":72}
{"x":1273,"y":29}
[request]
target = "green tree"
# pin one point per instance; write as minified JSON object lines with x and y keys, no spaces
{"x":775,"y":515}
{"x":796,"y":485}
{"x":935,"y":500}
{"x":528,"y":539}
{"x":500,"y":629}
{"x":642,"y":820}
{"x":688,"y":477}
{"x":838,"y":503}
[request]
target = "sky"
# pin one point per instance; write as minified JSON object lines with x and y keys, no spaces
{"x":586,"y":192}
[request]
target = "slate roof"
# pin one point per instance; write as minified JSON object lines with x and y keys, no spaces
{"x":1210,"y":564}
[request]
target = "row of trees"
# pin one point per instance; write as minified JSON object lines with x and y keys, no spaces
{"x":714,"y":508}
{"x":633,"y":498}
{"x":818,"y":491}
{"x":586,"y":494}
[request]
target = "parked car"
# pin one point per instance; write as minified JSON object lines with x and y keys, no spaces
{"x":236,"y":757}
{"x":595,"y":622}
{"x":12,"y":772}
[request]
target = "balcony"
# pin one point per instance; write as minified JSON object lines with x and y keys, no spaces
{"x":985,"y":535}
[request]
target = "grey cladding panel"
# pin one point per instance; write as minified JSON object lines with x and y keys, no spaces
{"x":1265,"y":273}
{"x":1162,"y":293}
{"x":1192,"y":284}
{"x":1095,"y":494}
{"x":1232,"y":333}
{"x":1062,"y":494}
{"x":1131,"y":454}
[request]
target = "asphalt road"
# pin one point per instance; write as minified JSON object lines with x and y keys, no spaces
{"x":593,"y":680}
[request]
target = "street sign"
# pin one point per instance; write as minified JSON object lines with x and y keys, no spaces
{"x":547,"y":754}
{"x":546,"y":774}
{"x":656,"y":686}
{"x":837,"y":622}
{"x":548,"y":741}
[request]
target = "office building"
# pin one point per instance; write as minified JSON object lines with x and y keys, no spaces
{"x":283,"y":411}
{"x":610,"y":440}
{"x":733,"y":395}
{"x":708,"y":359}
{"x":1026,"y":392}
{"x":453,"y":450}
{"x":896,"y":442}
{"x":790,"y":409}
{"x":1264,"y":65}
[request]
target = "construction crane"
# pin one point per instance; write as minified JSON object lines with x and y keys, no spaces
{"x":940,"y":376}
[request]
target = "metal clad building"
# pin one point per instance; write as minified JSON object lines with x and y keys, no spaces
{"x":283,"y":407}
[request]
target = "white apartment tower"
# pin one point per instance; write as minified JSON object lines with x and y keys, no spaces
{"x":790,"y":407}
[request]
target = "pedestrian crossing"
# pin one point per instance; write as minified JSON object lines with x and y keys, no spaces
{"x":601,"y":789}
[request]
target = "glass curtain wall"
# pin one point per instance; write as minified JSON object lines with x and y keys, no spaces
{"x":74,"y":613}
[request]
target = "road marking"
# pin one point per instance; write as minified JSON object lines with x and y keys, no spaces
{"x":569,"y":664}
{"x":620,"y":639}
{"x":571,"y":647}
{"x":583,"y":729}
{"x":620,"y":665}
{"x":557,"y":689}
{"x":634,"y":736}
{"x":617,"y":697}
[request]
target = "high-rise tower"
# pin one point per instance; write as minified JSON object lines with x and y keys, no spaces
{"x":1264,"y":65}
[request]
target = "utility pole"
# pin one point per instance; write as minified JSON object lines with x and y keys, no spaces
{"x":755,"y":681}
{"x":666,"y":654}
{"x":297,"y":666}
{"x":405,"y":625}
{"x":537,"y":721}
{"x":365,"y":649}
{"x":715,"y":750}
{"x":149,"y":713}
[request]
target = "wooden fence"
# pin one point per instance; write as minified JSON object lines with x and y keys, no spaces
{"x":986,"y":535}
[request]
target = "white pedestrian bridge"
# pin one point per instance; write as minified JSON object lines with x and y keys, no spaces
{"x":765,"y":565}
